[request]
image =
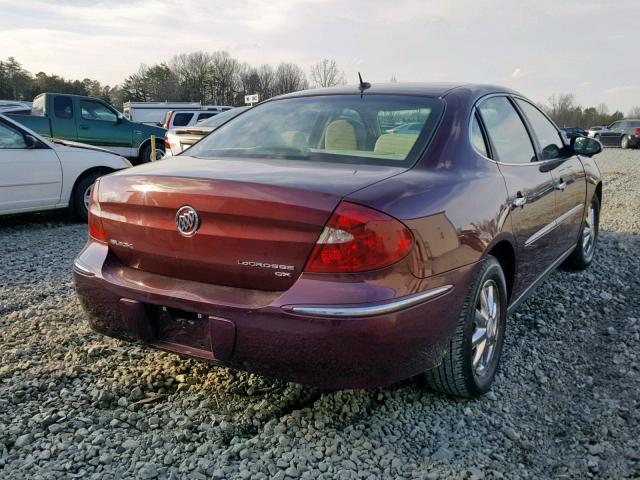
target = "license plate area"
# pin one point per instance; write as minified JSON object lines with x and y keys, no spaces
{"x":180,"y":327}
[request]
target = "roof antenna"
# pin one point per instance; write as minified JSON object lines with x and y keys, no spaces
{"x":363,"y":85}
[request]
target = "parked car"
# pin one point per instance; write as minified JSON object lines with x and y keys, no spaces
{"x":299,"y":244}
{"x":41,"y":174}
{"x":623,"y":134}
{"x":594,"y":132}
{"x":574,"y":132}
{"x":15,"y":106}
{"x":187,"y":118}
{"x":178,"y":140}
{"x":92,"y":121}
{"x":411,"y":128}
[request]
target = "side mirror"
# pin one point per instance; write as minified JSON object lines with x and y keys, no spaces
{"x":30,"y":141}
{"x":586,"y":146}
{"x":119,"y":118}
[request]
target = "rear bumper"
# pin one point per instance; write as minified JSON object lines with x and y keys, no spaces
{"x":265,"y":334}
{"x":634,"y":141}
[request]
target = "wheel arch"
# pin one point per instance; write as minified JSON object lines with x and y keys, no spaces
{"x":101,"y":169}
{"x":504,"y":251}
{"x":599,"y":193}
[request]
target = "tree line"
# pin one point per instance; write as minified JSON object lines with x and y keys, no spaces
{"x":212,"y":78}
{"x":564,"y":110}
{"x":217,"y":78}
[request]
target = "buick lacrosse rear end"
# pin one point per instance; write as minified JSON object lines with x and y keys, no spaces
{"x":314,"y":239}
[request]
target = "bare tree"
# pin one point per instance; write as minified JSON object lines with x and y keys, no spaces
{"x":634,"y":112}
{"x":193,"y":71}
{"x":326,"y":74}
{"x":393,"y":79}
{"x":267,"y":79}
{"x":289,"y":77}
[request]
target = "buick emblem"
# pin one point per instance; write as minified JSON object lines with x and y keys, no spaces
{"x":187,"y":221}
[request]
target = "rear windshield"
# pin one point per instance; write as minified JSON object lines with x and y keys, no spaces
{"x":372,"y":129}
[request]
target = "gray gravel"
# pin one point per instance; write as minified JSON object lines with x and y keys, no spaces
{"x":74,"y":404}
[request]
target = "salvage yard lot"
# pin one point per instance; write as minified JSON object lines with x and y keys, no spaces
{"x":75,"y":404}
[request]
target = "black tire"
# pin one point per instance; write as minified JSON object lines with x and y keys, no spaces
{"x":582,"y":257}
{"x":456,"y":375}
{"x":145,"y":155}
{"x":82,"y":188}
{"x":624,"y":142}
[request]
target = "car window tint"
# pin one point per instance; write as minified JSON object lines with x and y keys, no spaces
{"x":182,"y":119}
{"x":548,"y":137}
{"x":477,"y":138}
{"x":62,"y":107}
{"x":10,"y":138}
{"x":506,"y":130}
{"x":90,"y":110}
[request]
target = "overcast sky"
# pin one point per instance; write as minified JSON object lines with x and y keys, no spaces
{"x":585,"y":47}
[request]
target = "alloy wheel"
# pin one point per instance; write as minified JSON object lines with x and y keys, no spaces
{"x":485,"y":328}
{"x":87,"y":197}
{"x":589,"y":232}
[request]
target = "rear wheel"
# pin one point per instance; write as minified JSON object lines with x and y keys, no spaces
{"x":582,"y":256}
{"x":471,"y":360}
{"x":624,"y":142}
{"x":82,"y":194}
{"x":146,"y":155}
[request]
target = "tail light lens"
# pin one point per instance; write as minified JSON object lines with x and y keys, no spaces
{"x":637,"y":132}
{"x":96,"y":230}
{"x":168,"y":121}
{"x":167,"y":145}
{"x":359,"y":239}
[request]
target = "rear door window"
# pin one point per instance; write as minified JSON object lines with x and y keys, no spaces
{"x":477,"y":137}
{"x":203,"y":116}
{"x":506,"y":131}
{"x":548,"y":137}
{"x":62,"y":107}
{"x":182,"y":119}
{"x":10,"y":138}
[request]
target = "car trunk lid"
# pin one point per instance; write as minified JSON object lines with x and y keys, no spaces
{"x":258,"y":220}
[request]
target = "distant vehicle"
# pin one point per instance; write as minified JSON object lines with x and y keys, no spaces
{"x":93,"y":121}
{"x":411,"y":128}
{"x":177,"y":140}
{"x":187,"y":118}
{"x":574,"y":132}
{"x":41,"y":174}
{"x":153,"y":113}
{"x":15,"y":106}
{"x":594,"y":132}
{"x":623,"y":134}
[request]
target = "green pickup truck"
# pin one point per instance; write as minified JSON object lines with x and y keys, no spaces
{"x":90,"y":120}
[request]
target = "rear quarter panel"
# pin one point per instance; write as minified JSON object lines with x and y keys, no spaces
{"x":75,"y":162}
{"x":454,"y":200}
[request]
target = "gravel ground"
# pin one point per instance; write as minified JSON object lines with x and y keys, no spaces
{"x":74,"y":404}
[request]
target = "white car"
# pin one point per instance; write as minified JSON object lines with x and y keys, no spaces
{"x":42,"y":174}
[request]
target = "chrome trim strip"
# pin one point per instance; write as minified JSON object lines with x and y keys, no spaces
{"x":78,"y":267}
{"x":551,"y":226}
{"x":388,"y":307}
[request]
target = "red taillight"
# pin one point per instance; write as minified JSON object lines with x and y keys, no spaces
{"x":96,"y":230}
{"x":358,"y":239}
{"x":167,"y":145}
{"x":168,"y":121}
{"x":637,"y":132}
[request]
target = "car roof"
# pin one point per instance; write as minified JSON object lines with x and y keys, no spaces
{"x":426,"y":89}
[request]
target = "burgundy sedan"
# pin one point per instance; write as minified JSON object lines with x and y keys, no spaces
{"x":312,"y":239}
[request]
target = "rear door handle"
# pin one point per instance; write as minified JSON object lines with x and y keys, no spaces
{"x":83,"y":127}
{"x":561,"y":185}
